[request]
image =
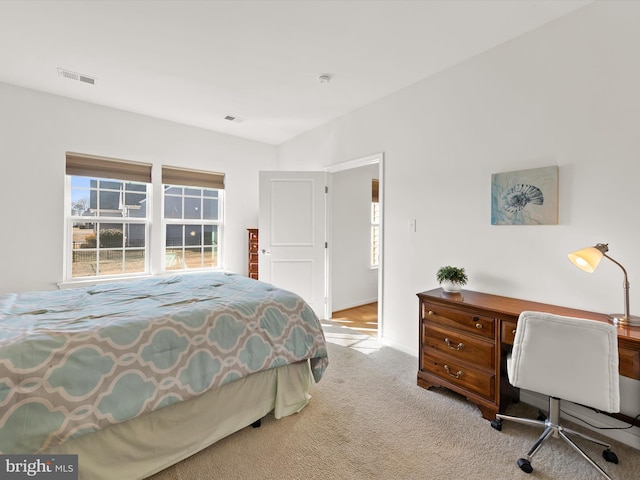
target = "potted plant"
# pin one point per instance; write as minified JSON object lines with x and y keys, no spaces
{"x":451,"y":278}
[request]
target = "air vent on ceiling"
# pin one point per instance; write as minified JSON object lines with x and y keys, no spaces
{"x":76,"y":76}
{"x":233,"y":118}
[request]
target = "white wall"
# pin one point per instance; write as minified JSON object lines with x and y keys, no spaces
{"x":565,"y":94}
{"x":35,"y":131}
{"x":353,"y":281}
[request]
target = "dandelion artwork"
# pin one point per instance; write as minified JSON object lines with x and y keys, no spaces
{"x":525,"y":197}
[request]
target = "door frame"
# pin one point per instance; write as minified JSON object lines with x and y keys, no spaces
{"x":356,"y":163}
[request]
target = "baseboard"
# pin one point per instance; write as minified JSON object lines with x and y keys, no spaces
{"x":630,"y":436}
{"x":400,"y":347}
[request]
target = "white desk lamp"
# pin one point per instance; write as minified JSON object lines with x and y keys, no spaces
{"x":588,"y":259}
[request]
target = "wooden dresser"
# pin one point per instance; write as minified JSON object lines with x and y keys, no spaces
{"x":253,"y":252}
{"x":465,"y":338}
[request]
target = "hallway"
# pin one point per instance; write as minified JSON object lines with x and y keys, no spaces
{"x":363,"y":318}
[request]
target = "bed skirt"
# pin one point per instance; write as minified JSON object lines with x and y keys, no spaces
{"x":140,"y":447}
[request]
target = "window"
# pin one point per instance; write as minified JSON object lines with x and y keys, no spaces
{"x":375,"y":223}
{"x":375,"y":233}
{"x":192,"y":218}
{"x":192,"y":227}
{"x":107,"y":217}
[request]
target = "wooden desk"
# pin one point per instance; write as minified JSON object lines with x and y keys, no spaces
{"x":465,"y":338}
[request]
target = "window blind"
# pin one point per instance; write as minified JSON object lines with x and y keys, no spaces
{"x":192,"y":178}
{"x":375,"y":187}
{"x":102,"y":167}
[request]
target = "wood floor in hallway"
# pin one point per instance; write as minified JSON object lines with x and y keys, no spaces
{"x":363,"y":318}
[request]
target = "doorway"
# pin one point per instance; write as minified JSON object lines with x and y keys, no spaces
{"x":355,"y":239}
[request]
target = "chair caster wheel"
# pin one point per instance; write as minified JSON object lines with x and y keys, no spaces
{"x":525,"y":465}
{"x":497,"y":424}
{"x":609,"y":456}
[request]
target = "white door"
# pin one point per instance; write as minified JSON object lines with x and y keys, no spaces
{"x":292,"y":234}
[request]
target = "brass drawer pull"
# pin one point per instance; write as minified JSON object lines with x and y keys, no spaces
{"x":479,"y":326}
{"x":431,"y":312}
{"x":513,"y":331}
{"x":460,"y":346}
{"x":457,"y":375}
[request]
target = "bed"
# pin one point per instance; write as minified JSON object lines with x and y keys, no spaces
{"x":135,"y":376}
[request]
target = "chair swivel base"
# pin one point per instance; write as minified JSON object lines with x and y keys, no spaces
{"x":553,"y":428}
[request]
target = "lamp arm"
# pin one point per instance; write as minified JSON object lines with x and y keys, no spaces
{"x":625,"y":285}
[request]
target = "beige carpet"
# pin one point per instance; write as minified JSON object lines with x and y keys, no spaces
{"x":369,"y":420}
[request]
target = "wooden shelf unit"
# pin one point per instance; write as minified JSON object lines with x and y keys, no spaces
{"x":253,"y":253}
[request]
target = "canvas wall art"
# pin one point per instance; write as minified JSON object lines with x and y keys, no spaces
{"x":525,"y":197}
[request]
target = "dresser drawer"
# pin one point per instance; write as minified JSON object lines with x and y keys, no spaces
{"x":459,"y":319}
{"x":253,"y":253}
{"x":507,"y":332}
{"x":459,"y":345}
{"x":629,"y":365}
{"x":478,"y":381}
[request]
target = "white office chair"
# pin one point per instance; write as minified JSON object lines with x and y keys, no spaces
{"x":566,"y":358}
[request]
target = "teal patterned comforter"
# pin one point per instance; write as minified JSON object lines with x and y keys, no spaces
{"x":75,"y":361}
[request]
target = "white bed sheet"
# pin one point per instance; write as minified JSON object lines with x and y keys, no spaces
{"x":140,"y":447}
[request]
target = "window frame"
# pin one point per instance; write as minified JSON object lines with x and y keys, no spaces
{"x":71,"y":219}
{"x":375,"y":235}
{"x":219,"y":223}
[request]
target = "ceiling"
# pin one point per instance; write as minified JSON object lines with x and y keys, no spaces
{"x":195,"y":62}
